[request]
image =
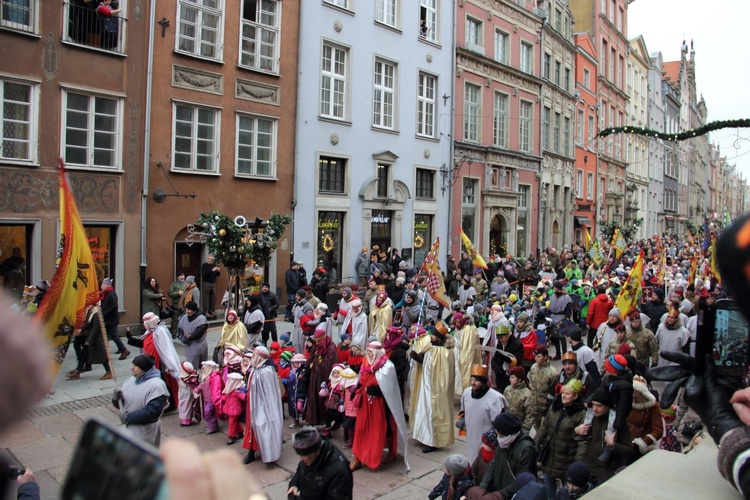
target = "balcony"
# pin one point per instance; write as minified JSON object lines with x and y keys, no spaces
{"x":19,"y":15}
{"x":88,"y":26}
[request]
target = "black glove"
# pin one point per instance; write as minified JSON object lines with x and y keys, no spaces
{"x":374,"y":390}
{"x":416,"y":356}
{"x":706,"y":394}
{"x":117,"y":397}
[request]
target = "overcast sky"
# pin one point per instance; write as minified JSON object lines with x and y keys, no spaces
{"x":722,"y":67}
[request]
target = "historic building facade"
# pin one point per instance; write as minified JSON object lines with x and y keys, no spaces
{"x":497,"y":150}
{"x":636,"y":177}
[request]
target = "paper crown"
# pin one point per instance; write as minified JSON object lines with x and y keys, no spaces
{"x":480,"y":371}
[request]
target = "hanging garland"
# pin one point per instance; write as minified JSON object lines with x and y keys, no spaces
{"x":327,"y":243}
{"x":418,"y":242}
{"x":689,"y":134}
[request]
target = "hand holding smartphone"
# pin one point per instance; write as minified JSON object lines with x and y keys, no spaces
{"x":723,"y":334}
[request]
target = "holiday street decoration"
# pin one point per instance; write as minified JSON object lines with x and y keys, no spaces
{"x":682,"y":136}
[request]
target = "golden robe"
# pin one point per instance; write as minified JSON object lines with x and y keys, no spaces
{"x":380,"y":319}
{"x":433,"y":417}
{"x":235,"y":335}
{"x":467,"y":354}
{"x":420,"y":346}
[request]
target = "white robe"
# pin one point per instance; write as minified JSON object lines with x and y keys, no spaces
{"x":266,"y":414}
{"x":479,"y":415}
{"x":359,"y":328}
{"x":386,"y":377}
{"x":165,"y":348}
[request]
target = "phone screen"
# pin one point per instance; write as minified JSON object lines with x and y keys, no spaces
{"x":110,"y":464}
{"x":730,"y":341}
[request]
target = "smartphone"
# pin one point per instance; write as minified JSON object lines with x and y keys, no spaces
{"x":108,"y":463}
{"x":723,"y":333}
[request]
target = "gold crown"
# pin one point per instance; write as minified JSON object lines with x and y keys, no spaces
{"x":442,"y":328}
{"x":480,"y":371}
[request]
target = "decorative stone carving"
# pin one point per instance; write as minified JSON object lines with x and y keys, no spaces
{"x":195,"y":79}
{"x":497,"y":72}
{"x":37,"y":192}
{"x":255,"y":91}
{"x":510,"y":160}
{"x":334,"y":139}
{"x":131,"y":187}
{"x":338,"y":26}
{"x":426,"y":153}
{"x":95,"y":193}
{"x":428,"y":57}
{"x":49,"y":57}
{"x":138,"y":11}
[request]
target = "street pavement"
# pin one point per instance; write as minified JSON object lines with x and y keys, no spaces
{"x":46,"y":439}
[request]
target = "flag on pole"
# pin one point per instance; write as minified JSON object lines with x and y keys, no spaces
{"x":618,"y":243}
{"x":693,"y":268}
{"x":476,"y":259}
{"x":435,"y":283}
{"x":586,"y":239}
{"x":596,"y":253}
{"x":630,"y":294}
{"x":74,"y":285}
{"x":714,"y":264}
{"x":690,"y":238}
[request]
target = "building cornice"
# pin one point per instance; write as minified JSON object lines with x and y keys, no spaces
{"x":481,"y":65}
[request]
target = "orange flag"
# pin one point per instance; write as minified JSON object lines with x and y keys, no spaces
{"x":435,"y":282}
{"x":74,"y":286}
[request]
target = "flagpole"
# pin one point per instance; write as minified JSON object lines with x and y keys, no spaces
{"x":103,"y":329}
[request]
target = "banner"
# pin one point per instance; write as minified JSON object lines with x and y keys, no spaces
{"x":596,"y":253}
{"x":714,"y":264}
{"x":618,"y":243}
{"x":586,"y":239}
{"x":629,"y":296}
{"x":74,"y":285}
{"x":435,"y":283}
{"x":476,"y":259}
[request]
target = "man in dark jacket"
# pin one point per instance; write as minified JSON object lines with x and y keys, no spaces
{"x":323,"y":471}
{"x":209,"y":272}
{"x":292,"y":280}
{"x":112,"y":316}
{"x":465,"y":266}
{"x":516,"y":453}
{"x":655,"y":309}
{"x":269,"y":304}
{"x":362,"y":267}
{"x":620,"y":441}
{"x":510,"y":344}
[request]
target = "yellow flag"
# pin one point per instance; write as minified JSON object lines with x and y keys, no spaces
{"x":435,"y":282}
{"x":618,"y":243}
{"x":476,"y":259}
{"x":586,"y":239}
{"x":630,"y":294}
{"x":74,"y":286}
{"x":693,"y":269}
{"x":714,"y":263}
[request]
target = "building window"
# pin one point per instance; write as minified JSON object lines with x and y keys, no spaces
{"x":20,"y":15}
{"x":501,"y":46}
{"x":426,"y":105}
{"x":566,"y":82}
{"x":527,"y":57}
{"x":331,"y":241}
{"x":620,"y":82}
{"x":579,"y":183}
{"x":383,"y":176}
{"x":474,"y":35}
{"x":103,"y":243}
{"x":524,"y":132}
{"x":16,"y":250}
{"x":428,"y":17}
{"x":557,"y":73}
{"x":386,"y":12}
{"x":98,"y":27}
{"x":196,"y":139}
{"x":425,"y":188}
{"x":547,"y":64}
{"x":500,"y":121}
{"x":259,"y":40}
{"x":586,"y":78}
{"x":579,"y":127}
{"x":556,"y":133}
{"x":384,"y":96}
{"x":592,"y":129}
{"x":344,"y":4}
{"x":566,"y":136}
{"x":92,"y":129}
{"x":612,"y":59}
{"x":423,"y":232}
{"x":546,"y":123}
{"x":620,"y":20}
{"x":471,"y":112}
{"x":19,"y":118}
{"x":331,"y":175}
{"x":603,"y":62}
{"x":590,"y":186}
{"x":469,"y":194}
{"x":469,"y":208}
{"x":522,"y":229}
{"x":333,"y":82}
{"x":603,"y":7}
{"x":558,"y":20}
{"x":256,"y":146}
{"x":200,"y":27}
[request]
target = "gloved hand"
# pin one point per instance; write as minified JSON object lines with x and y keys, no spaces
{"x":300,"y":405}
{"x":641,"y":445}
{"x":461,"y":423}
{"x":116,"y":398}
{"x":707,"y":394}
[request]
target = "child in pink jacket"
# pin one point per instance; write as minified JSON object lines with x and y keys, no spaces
{"x":211,"y":386}
{"x":232,"y":404}
{"x":349,"y":380}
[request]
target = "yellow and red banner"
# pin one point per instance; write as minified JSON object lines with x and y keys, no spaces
{"x":587,"y":241}
{"x":74,"y":286}
{"x":630,"y":294}
{"x":693,"y":268}
{"x":435,"y":282}
{"x":476,"y":259}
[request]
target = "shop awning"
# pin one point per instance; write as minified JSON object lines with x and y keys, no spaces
{"x":582,"y":221}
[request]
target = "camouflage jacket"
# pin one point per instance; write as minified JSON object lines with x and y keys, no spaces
{"x":520,"y":401}
{"x":541,"y":379}
{"x":613,"y":347}
{"x":646,"y":346}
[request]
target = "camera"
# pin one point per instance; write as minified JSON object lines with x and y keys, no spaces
{"x":14,"y":472}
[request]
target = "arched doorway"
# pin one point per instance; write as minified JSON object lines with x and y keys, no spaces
{"x":556,"y":235}
{"x":498,"y":236}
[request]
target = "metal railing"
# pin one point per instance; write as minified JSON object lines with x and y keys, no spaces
{"x":19,"y":15}
{"x":89,"y":28}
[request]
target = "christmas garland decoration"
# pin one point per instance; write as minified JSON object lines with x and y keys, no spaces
{"x":688,"y":134}
{"x":327,"y":243}
{"x":418,"y":242}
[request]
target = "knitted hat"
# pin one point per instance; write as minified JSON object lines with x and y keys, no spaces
{"x":307,"y":441}
{"x":615,"y":312}
{"x":345,"y":336}
{"x":522,"y":317}
{"x":616,"y":364}
{"x":490,"y":438}
{"x":299,"y":358}
{"x":456,"y":464}
{"x":569,"y":357}
{"x":578,"y":474}
{"x":602,"y":396}
{"x":575,"y":333}
{"x":144,"y":361}
{"x":190,"y":279}
{"x":506,"y":424}
{"x":287,"y":355}
{"x":191,"y":305}
{"x":284,"y":337}
{"x":519,"y":372}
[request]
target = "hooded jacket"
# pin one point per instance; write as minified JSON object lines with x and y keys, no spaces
{"x":564,"y":449}
{"x":645,"y":421}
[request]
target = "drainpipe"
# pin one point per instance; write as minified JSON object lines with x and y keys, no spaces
{"x":539,"y":221}
{"x":147,"y":141}
{"x":451,"y":139}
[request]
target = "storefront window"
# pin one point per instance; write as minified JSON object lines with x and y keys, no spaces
{"x":15,"y":241}
{"x":522,"y":229}
{"x":381,"y":229}
{"x":330,"y":238}
{"x":422,"y":238}
{"x":102,"y":243}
